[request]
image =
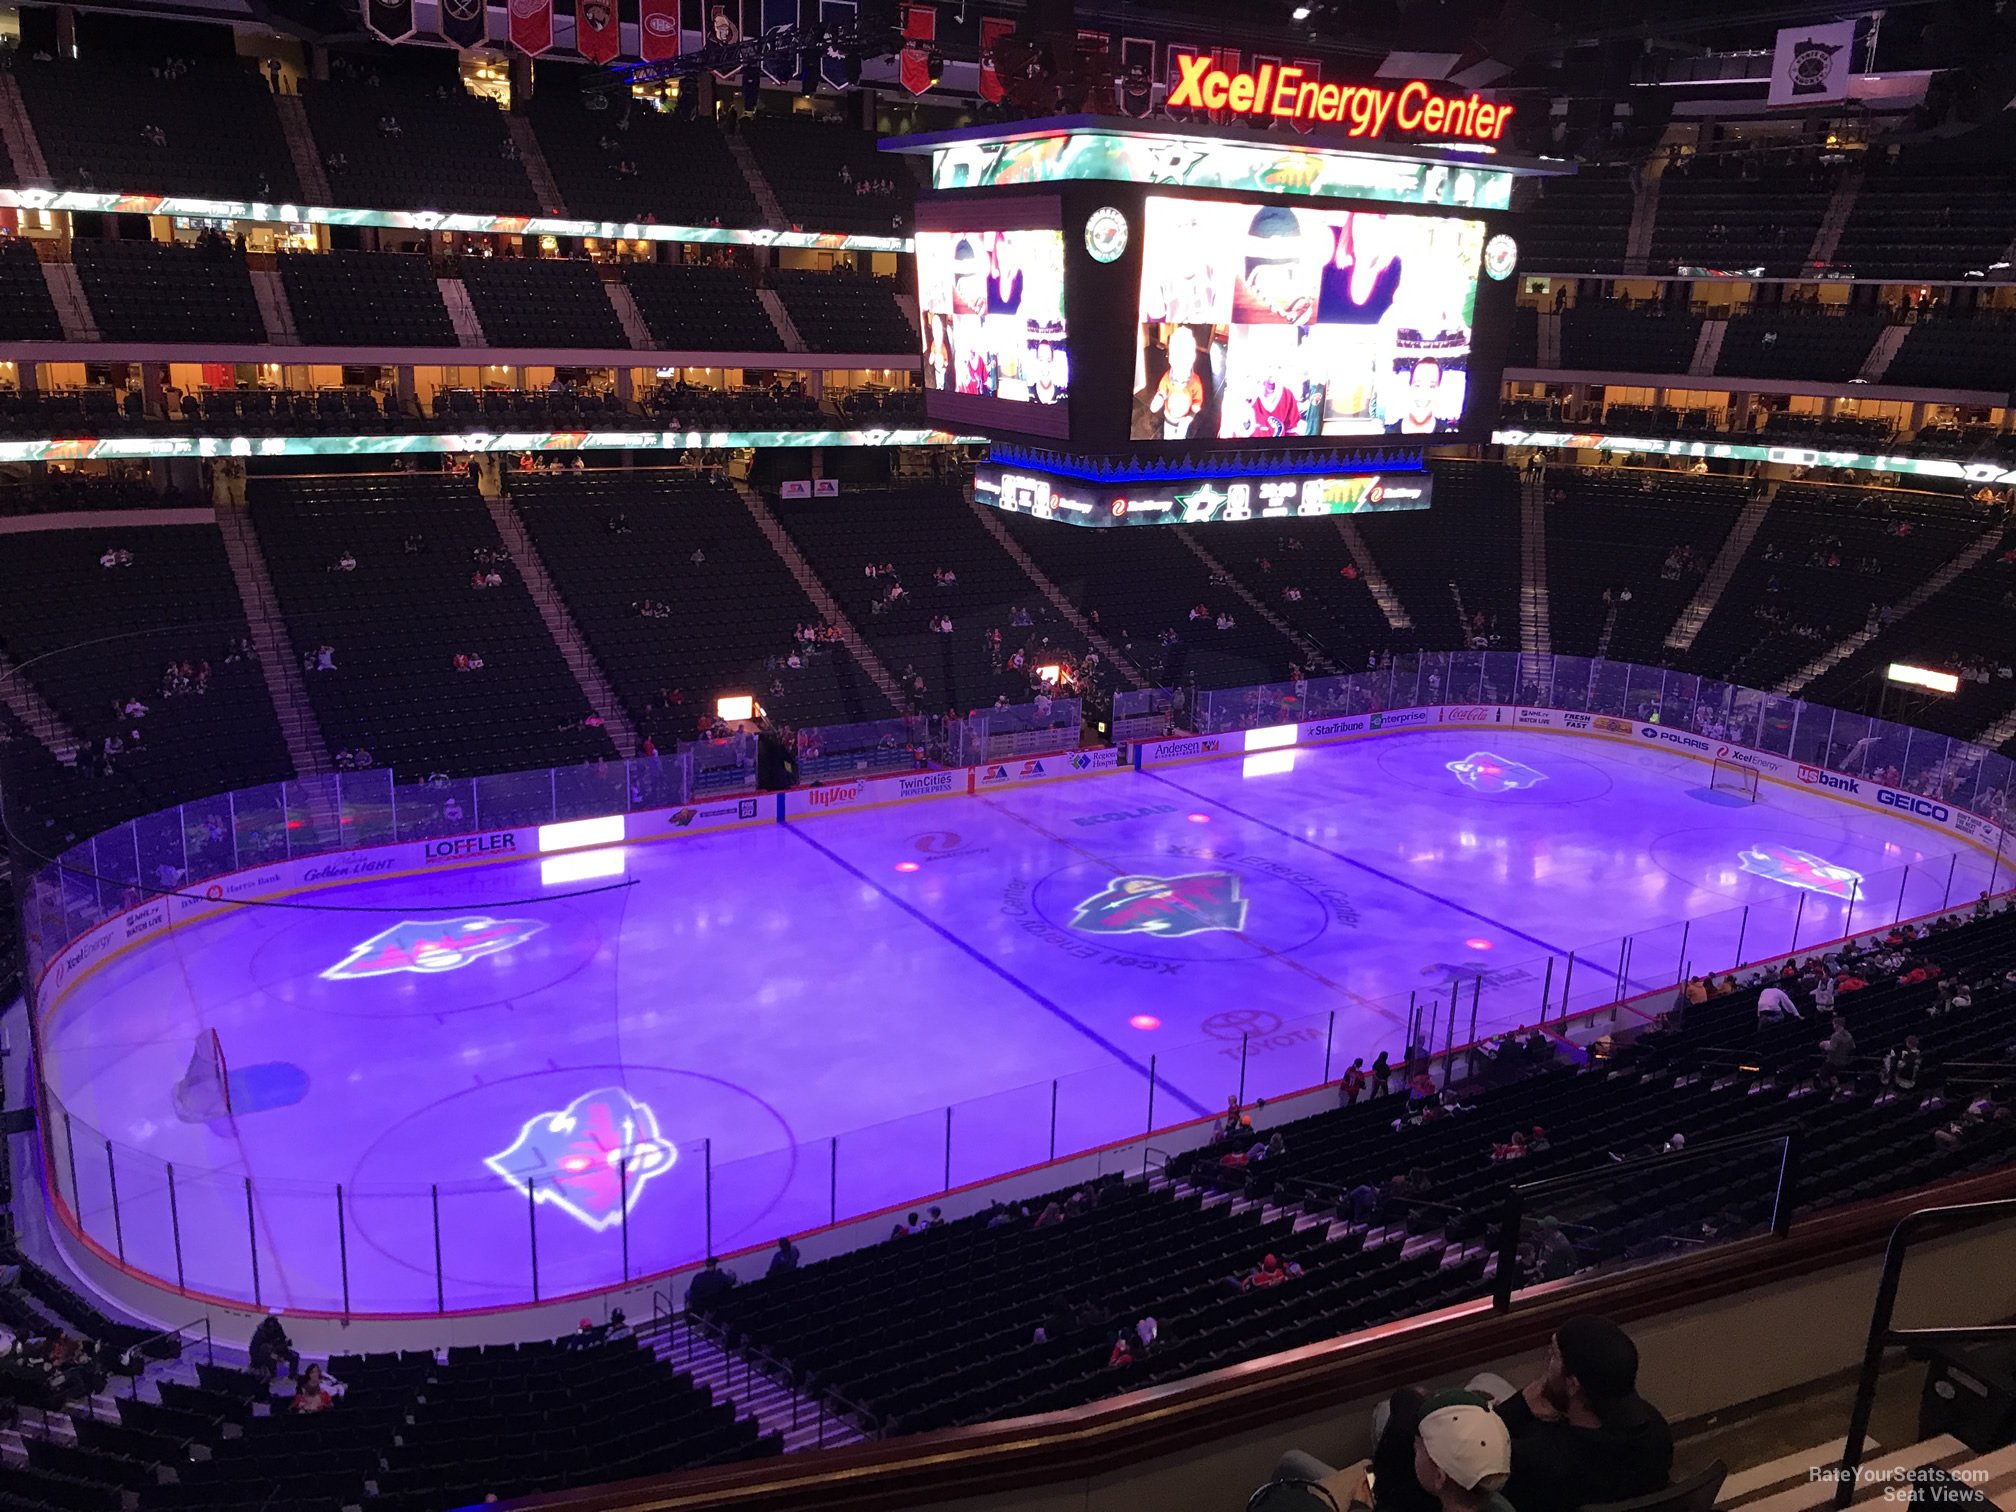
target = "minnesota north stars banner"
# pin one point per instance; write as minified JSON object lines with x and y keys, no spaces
{"x":464,"y":22}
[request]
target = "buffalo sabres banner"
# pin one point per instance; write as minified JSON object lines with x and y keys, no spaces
{"x":657,"y":29}
{"x":833,"y":15}
{"x":1812,"y":64}
{"x":390,"y":19}
{"x":992,"y":30}
{"x":920,"y":32}
{"x":532,"y":26}
{"x":464,"y":22}
{"x":1137,"y":75}
{"x":780,"y":64}
{"x":595,"y":31}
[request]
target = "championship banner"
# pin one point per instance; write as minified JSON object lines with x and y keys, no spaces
{"x":1812,"y":65}
{"x":833,"y":15}
{"x":920,"y":31}
{"x":465,"y":23}
{"x":596,"y":35}
{"x":992,"y":30}
{"x":1174,"y":58}
{"x":724,"y":29}
{"x":390,"y":19}
{"x":1136,"y":92}
{"x":532,"y":26}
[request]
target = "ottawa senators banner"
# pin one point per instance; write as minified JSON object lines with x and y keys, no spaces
{"x":390,"y":19}
{"x":657,"y":29}
{"x":992,"y":30}
{"x":920,"y":31}
{"x":724,"y":29}
{"x":464,"y":22}
{"x":596,"y":36}
{"x":532,"y":26}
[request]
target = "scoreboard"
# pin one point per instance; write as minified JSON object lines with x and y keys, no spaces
{"x":1205,"y":323}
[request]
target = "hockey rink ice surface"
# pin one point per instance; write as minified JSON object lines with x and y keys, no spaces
{"x":751,"y":995}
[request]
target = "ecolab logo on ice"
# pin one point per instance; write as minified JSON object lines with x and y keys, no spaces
{"x":470,"y":845}
{"x":835,"y":796}
{"x":1814,"y":776}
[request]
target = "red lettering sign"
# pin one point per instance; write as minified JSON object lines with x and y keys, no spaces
{"x":1291,"y":92}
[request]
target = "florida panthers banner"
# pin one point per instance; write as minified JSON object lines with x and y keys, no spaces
{"x":390,"y":19}
{"x":464,"y":22}
{"x":657,"y":29}
{"x":532,"y":26}
{"x":992,"y":30}
{"x":920,"y":31}
{"x":596,"y":36}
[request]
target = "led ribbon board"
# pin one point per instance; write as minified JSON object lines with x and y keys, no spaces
{"x":97,"y":448}
{"x":1202,"y":500}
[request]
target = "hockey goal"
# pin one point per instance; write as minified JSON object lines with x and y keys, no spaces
{"x":204,"y":1092}
{"x":1734,"y":778}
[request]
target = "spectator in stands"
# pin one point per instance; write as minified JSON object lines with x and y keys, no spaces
{"x":1382,"y":1075}
{"x":1902,"y":1064}
{"x":1463,"y":1453}
{"x":1270,"y":1272}
{"x":270,"y":1348}
{"x":311,"y":1393}
{"x":1775,"y":1005}
{"x":784,"y":1259}
{"x":1581,"y":1433}
{"x":118,"y":556}
{"x":322,"y":659}
{"x":713,"y":1282}
{"x":1837,"y":1054}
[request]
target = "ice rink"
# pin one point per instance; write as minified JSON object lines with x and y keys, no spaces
{"x":770,"y":1024}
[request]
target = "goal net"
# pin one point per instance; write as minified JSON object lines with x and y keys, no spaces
{"x":1730,"y":777}
{"x":204,"y":1092}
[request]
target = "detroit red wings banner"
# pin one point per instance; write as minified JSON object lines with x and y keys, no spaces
{"x":920,"y":31}
{"x":532,"y":26}
{"x":992,"y":30}
{"x":657,"y":29}
{"x":596,"y":36}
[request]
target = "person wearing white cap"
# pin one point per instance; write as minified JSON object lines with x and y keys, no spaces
{"x":1463,"y":1452}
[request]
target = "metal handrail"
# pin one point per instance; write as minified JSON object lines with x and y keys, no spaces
{"x":139,"y":1348}
{"x":1518,"y":1195}
{"x":1882,"y":1336}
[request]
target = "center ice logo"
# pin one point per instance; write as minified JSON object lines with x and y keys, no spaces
{"x":432,"y":946}
{"x":1798,"y":868}
{"x":1483,"y":772}
{"x":591,"y":1159}
{"x":1168,"y":907}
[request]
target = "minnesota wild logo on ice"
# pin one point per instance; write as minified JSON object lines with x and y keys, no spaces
{"x":1168,"y":907}
{"x":433,"y":945}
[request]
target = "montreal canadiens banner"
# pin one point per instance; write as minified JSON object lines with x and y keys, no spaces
{"x":532,"y":26}
{"x":657,"y":29}
{"x":992,"y":30}
{"x":596,"y":36}
{"x":390,"y":19}
{"x":464,"y":22}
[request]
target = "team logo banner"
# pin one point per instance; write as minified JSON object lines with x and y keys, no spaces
{"x":835,"y":14}
{"x":992,"y":30}
{"x":532,"y":26}
{"x":779,"y":16}
{"x":1812,"y":65}
{"x":920,"y":32}
{"x":596,"y":36}
{"x":464,"y":22}
{"x":724,"y":29}
{"x":390,"y":19}
{"x":657,"y":29}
